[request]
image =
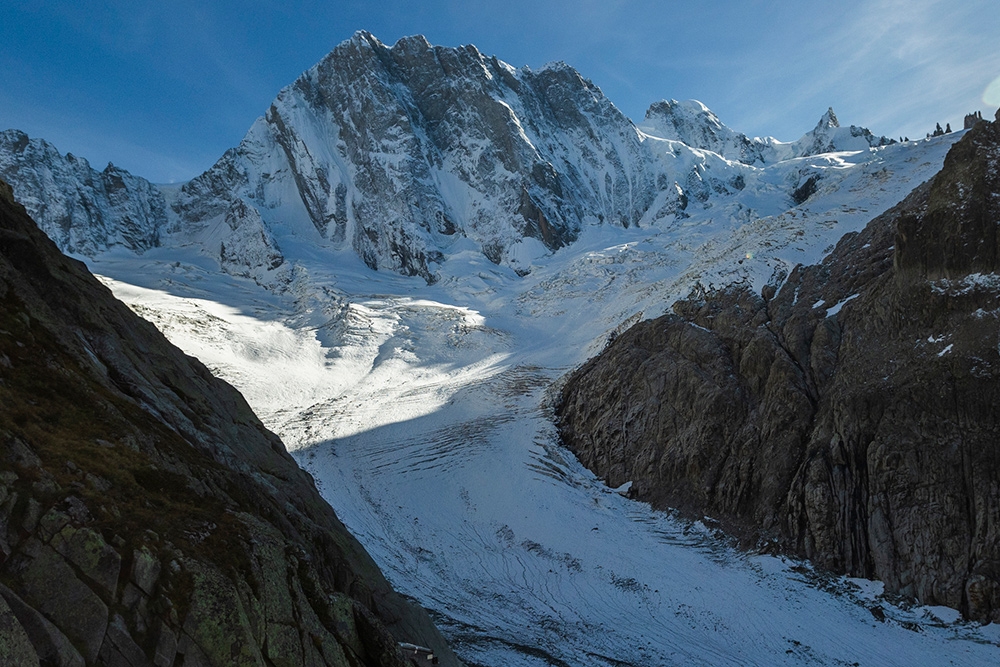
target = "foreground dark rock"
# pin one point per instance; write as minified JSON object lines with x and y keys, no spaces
{"x":146,"y":515}
{"x":853,"y":417}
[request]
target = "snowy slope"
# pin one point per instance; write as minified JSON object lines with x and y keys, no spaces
{"x":423,"y":412}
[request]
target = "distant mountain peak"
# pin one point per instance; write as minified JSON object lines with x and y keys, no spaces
{"x":83,"y":210}
{"x":828,"y":120}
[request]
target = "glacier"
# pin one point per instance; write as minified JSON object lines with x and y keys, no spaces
{"x":398,"y":289}
{"x":424,"y":413}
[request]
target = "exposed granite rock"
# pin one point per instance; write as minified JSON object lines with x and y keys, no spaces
{"x":15,"y":647}
{"x":852,"y":417}
{"x":51,"y":646}
{"x":146,"y":516}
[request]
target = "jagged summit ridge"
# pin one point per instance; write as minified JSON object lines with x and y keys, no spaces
{"x":83,"y":210}
{"x":695,"y":125}
{"x":398,"y":152}
{"x":828,"y":137}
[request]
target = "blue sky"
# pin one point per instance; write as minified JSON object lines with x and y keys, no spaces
{"x":163,"y":88}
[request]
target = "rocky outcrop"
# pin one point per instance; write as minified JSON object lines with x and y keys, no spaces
{"x":972,"y":118}
{"x":83,"y":210}
{"x":146,"y":515}
{"x":851,"y":416}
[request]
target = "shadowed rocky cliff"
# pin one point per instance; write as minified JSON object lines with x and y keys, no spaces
{"x":853,"y":417}
{"x":146,"y":515}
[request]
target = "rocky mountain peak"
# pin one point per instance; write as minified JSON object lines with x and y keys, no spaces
{"x":401,"y":154}
{"x":690,"y":122}
{"x":397,"y":152}
{"x":828,"y":136}
{"x":829,"y":120}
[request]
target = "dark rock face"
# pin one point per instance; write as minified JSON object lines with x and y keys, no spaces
{"x":957,"y":234}
{"x":853,"y":417}
{"x":146,"y":516}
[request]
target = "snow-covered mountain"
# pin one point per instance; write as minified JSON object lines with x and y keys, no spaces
{"x":539,"y":223}
{"x":694,"y":124}
{"x":407,"y":155}
{"x":401,"y":152}
{"x":83,"y":210}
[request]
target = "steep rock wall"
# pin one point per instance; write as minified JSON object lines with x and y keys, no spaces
{"x":853,"y":417}
{"x":83,"y":210}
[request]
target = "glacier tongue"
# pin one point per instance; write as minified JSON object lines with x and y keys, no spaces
{"x":423,"y":412}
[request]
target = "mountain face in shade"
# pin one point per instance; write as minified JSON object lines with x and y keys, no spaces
{"x":850,"y":416}
{"x":146,"y":515}
{"x":83,"y":210}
